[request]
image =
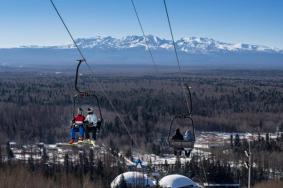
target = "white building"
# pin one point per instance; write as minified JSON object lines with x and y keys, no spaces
{"x":177,"y":181}
{"x":133,"y":178}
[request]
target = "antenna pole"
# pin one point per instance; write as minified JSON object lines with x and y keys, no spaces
{"x":250,"y":165}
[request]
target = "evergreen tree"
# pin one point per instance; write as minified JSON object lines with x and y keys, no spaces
{"x":44,"y":157}
{"x":31,"y":163}
{"x":267,"y":139}
{"x":128,"y":153}
{"x":9,"y":151}
{"x":231,"y":141}
{"x":237,"y":142}
{"x":177,"y":166}
{"x":66,"y":163}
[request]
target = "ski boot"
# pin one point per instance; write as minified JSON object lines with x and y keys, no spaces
{"x":86,"y":141}
{"x":80,"y":140}
{"x":72,"y":141}
{"x":92,"y":142}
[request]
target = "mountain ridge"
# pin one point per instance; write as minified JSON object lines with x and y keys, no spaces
{"x":184,"y":44}
{"x":131,"y":50}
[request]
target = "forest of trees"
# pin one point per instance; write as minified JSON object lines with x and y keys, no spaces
{"x":90,"y":171}
{"x":266,"y":152}
{"x":38,"y":107}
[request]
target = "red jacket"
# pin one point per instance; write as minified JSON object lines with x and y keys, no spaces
{"x":79,"y":119}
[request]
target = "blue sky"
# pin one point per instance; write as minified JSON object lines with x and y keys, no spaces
{"x":26,"y":22}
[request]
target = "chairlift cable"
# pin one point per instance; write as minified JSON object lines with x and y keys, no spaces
{"x":92,"y":71}
{"x":144,"y":36}
{"x":177,"y":57}
{"x":67,"y":29}
{"x":113,"y":107}
{"x":188,"y":101}
{"x":189,"y":104}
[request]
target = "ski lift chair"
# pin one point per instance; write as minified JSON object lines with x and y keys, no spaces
{"x":182,"y":145}
{"x":85,"y":95}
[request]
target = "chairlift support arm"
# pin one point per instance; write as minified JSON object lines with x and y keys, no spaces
{"x":84,"y":93}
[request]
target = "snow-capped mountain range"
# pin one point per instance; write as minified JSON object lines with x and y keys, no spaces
{"x":131,"y":50}
{"x":187,"y":45}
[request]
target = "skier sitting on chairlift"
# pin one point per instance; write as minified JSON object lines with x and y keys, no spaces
{"x":178,"y":135}
{"x":90,"y":126}
{"x":188,"y":136}
{"x":77,"y":126}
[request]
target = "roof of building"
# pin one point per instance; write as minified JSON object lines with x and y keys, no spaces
{"x":133,"y":178}
{"x":176,"y":181}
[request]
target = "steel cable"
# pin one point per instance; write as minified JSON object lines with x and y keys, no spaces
{"x":180,"y":71}
{"x":92,"y":71}
{"x":177,"y":58}
{"x":144,"y":36}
